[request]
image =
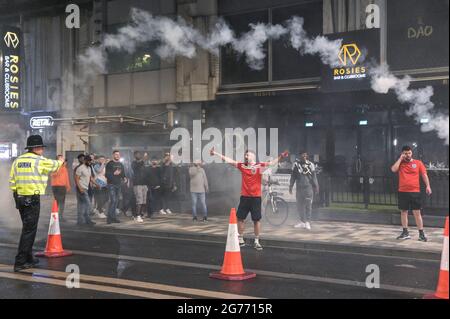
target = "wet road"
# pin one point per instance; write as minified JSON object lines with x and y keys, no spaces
{"x":147,"y":265}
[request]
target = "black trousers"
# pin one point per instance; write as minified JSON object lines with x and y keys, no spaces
{"x":29,"y":209}
{"x":153,"y":200}
{"x":167,"y":198}
{"x":59,"y":192}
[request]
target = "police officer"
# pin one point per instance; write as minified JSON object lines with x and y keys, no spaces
{"x":28,"y":180}
{"x":304,"y":174}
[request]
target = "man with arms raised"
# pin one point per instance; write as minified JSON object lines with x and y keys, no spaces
{"x":250,"y":201}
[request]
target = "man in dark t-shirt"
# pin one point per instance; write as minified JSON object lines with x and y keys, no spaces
{"x":250,"y":201}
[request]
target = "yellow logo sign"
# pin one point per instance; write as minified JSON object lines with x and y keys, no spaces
{"x":11,"y":39}
{"x":349,"y":52}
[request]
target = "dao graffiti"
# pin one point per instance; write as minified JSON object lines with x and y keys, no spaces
{"x":420,"y":32}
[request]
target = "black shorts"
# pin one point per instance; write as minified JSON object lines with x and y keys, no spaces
{"x":249,"y":205}
{"x":409,"y":201}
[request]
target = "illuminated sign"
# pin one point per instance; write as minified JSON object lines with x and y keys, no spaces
{"x":350,"y":51}
{"x":38,"y":122}
{"x":10,"y":69}
{"x":359,"y":50}
{"x":11,"y":39}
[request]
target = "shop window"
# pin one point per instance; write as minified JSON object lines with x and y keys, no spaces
{"x":434,"y":151}
{"x":234,"y":68}
{"x":422,"y":31}
{"x":287,"y":62}
{"x":143,"y":59}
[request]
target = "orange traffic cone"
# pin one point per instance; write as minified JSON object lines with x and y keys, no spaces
{"x":442,"y":288}
{"x":54,"y":244}
{"x":232,"y":264}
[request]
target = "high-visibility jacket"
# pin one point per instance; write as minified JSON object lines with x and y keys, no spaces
{"x":29,"y":174}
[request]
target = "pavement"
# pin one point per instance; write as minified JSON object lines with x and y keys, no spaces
{"x":170,"y":256}
{"x":133,"y":265}
{"x":349,"y":234}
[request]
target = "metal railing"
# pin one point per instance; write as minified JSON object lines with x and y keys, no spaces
{"x":381,"y":190}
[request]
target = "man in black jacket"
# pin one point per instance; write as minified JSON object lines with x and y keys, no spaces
{"x":139,"y":186}
{"x":169,"y":177}
{"x":115,"y":174}
{"x":304,"y":174}
{"x":153,"y":179}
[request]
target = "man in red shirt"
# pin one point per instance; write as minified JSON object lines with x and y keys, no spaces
{"x":409,"y":171}
{"x":250,"y":201}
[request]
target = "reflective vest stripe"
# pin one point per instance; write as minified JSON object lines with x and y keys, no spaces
{"x":54,"y":166}
{"x":25,"y":174}
{"x":30,"y":181}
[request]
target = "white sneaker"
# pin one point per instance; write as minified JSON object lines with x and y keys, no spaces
{"x":257,"y":245}
{"x":169,"y":211}
{"x":308,"y":226}
{"x":241,"y":241}
{"x":139,"y":219}
{"x":95,"y":210}
{"x":300,"y":225}
{"x":162,"y":212}
{"x":102,"y":216}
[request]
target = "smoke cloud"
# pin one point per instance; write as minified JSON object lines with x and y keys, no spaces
{"x":326,"y":49}
{"x":421,"y":106}
{"x":178,"y":38}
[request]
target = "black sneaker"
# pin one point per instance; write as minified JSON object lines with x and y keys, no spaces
{"x":194,"y":219}
{"x":404,"y":235}
{"x":423,"y":238}
{"x":205,"y":219}
{"x":18,"y":268}
{"x":33,"y":261}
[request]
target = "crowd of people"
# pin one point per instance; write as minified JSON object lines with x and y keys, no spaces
{"x":149,"y":186}
{"x":105,"y":188}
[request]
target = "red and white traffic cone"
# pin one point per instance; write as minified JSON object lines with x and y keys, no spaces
{"x":54,"y":246}
{"x":442,"y":288}
{"x":232,"y":268}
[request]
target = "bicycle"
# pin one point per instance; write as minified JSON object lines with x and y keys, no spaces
{"x":275,"y":208}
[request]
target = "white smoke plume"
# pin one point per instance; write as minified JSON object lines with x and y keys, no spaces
{"x":251,"y":43}
{"x":326,"y":49}
{"x":421,"y":106}
{"x":178,"y":38}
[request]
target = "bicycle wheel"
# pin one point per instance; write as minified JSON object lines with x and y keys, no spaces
{"x":276,"y":216}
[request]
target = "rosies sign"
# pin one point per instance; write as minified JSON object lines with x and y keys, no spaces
{"x":359,"y":49}
{"x":10,"y":64}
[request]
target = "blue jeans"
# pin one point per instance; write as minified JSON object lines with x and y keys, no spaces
{"x":202,"y":198}
{"x":114,"y":191}
{"x":83,"y":207}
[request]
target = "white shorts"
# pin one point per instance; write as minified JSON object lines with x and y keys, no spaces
{"x":140,"y":192}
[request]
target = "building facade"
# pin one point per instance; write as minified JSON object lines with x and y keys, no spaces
{"x":352,"y":132}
